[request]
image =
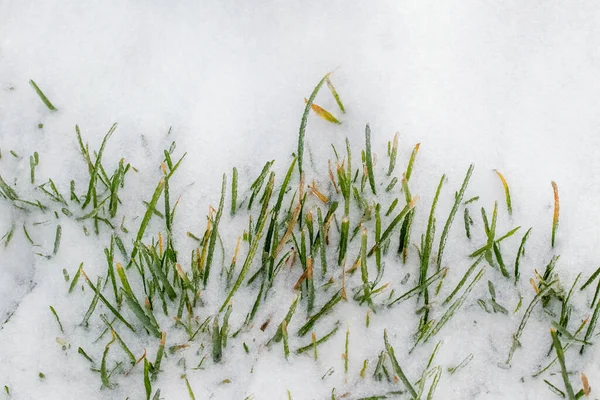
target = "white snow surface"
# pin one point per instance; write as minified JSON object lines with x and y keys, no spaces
{"x":511,"y":85}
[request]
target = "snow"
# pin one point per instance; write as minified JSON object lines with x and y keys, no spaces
{"x":511,"y":86}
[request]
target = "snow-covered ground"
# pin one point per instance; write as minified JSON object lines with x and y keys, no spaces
{"x":512,"y":86}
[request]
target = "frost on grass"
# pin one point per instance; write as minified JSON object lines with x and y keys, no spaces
{"x":325,"y":260}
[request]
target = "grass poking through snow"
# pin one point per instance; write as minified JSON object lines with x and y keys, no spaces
{"x":314,"y":227}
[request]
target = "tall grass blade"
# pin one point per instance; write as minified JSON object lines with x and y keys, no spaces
{"x":324,"y":310}
{"x":520,"y":252}
{"x":369,"y":158}
{"x":457,"y":200}
{"x":561,"y":360}
{"x":390,"y":351}
{"x":91,"y":193}
{"x":427,"y":247}
{"x":304,"y":121}
{"x":214,"y":232}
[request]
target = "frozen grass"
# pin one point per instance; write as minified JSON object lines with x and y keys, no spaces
{"x":188,"y":309}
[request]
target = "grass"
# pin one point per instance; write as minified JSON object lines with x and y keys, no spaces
{"x":304,"y":121}
{"x":396,"y":366}
{"x":42,"y":96}
{"x":570,"y":394}
{"x":295,"y":230}
{"x":556,"y":212}
{"x":369,"y":159}
{"x":457,"y":200}
{"x":506,"y":191}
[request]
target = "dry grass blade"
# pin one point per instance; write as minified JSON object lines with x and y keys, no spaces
{"x":323,"y":113}
{"x":586,"y":386}
{"x":556,"y":212}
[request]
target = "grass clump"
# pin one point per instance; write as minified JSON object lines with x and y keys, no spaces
{"x":316,"y":228}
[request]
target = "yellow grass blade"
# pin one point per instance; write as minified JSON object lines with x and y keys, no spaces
{"x":556,"y":212}
{"x":506,"y":191}
{"x":323,"y":113}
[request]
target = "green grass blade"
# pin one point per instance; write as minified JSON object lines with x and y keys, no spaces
{"x":217,"y":347}
{"x":76,"y":278}
{"x":520,"y":252}
{"x":335,"y":94}
{"x":106,"y":303}
{"x":104,"y":374}
{"x":159,"y":355}
{"x":214,"y":232}
{"x":288,"y":317}
{"x":592,"y":325}
{"x":454,"y":306}
{"x":323,"y":244}
{"x":393,"y":155}
{"x":324,"y":310}
{"x":57,"y":239}
{"x":561,"y":360}
{"x":304,"y":121}
{"x":417,"y":289}
{"x":411,"y":161}
{"x":94,"y":173}
{"x":369,"y":158}
{"x":591,"y":279}
{"x":42,"y":96}
{"x":245,"y":268}
{"x":157,"y":193}
{"x":121,"y":342}
{"x":537,"y":298}
{"x":135,"y":307}
{"x":343,"y":240}
{"x":396,"y":366}
{"x":57,"y":319}
{"x":389,"y":230}
{"x":147,"y":384}
{"x":364,"y":272}
{"x":427,"y":247}
{"x":234,"y":180}
{"x":457,"y":200}
{"x":313,"y":344}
